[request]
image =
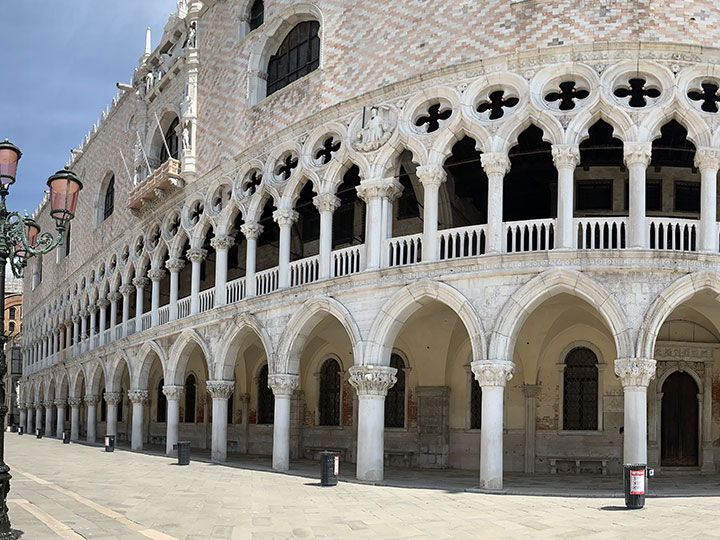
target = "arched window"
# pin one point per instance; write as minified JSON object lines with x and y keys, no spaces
{"x":257,"y":14}
{"x":330,"y":393}
{"x":12,"y":313}
{"x":11,"y":326}
{"x":580,"y":390}
{"x":171,"y":142}
{"x":190,"y":398}
{"x":298,"y":55}
{"x":475,"y":403}
{"x":109,"y":203}
{"x":395,"y":400}
{"x":266,"y":400}
{"x":161,"y":402}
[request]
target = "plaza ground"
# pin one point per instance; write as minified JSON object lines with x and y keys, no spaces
{"x":77,"y":491}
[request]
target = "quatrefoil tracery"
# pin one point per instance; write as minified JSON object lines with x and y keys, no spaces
{"x":709,"y":96}
{"x":435,"y":114}
{"x":496,"y":104}
{"x":637,"y":90}
{"x":568,"y":96}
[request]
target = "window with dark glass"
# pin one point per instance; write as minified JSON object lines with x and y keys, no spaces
{"x":171,"y":142}
{"x":330,"y":393}
{"x":257,"y":14}
{"x":580,"y":390}
{"x":475,"y":404}
{"x":687,"y":196}
{"x":109,"y":203}
{"x":298,"y":55}
{"x":594,"y":195}
{"x":395,"y":399}
{"x":266,"y":399}
{"x":190,"y":398}
{"x":11,"y":313}
{"x":161,"y":402}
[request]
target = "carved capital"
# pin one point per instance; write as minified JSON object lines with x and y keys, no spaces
{"x":103,"y":303}
{"x":141,"y":282}
{"x":222,"y":241}
{"x":285,"y":217}
{"x":431,"y":175}
{"x":383,"y":188}
{"x":60,"y":403}
{"x":492,"y":372}
{"x":115,"y":296}
{"x":74,"y":402}
{"x":92,"y":399}
{"x":707,"y":159}
{"x":566,"y":156}
{"x":326,"y":203}
{"x":372,"y":380}
{"x":139,"y":396}
{"x":173,"y":392}
{"x":22,"y":407}
{"x":220,"y":389}
{"x":495,"y":163}
{"x":283,"y":384}
{"x":251,"y":230}
{"x":126,"y":289}
{"x":174,"y":265}
{"x":48,"y":403}
{"x":156,"y":274}
{"x":531,"y":390}
{"x":196,"y":255}
{"x":635,"y":371}
{"x":83,"y":314}
{"x":112,"y":398}
{"x":637,"y":154}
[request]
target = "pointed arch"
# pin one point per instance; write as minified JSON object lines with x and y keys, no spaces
{"x":94,"y":373}
{"x":144,"y":360}
{"x":114,"y":371}
{"x":245,"y":325}
{"x":507,"y":136}
{"x":443,"y":145}
{"x":578,"y":129}
{"x":179,"y":356}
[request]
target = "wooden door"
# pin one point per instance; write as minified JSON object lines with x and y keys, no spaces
{"x":679,"y":421}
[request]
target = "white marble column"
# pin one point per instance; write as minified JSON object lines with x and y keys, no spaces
{"x":173,"y":395}
{"x":155,"y":275}
{"x":326,"y":204}
{"x":174,"y":266}
{"x":103,"y":303}
{"x":60,"y":426}
{"x":114,"y":297}
{"x":284,"y":217}
{"x":23,"y":416}
{"x":372,"y":384}
{"x":492,"y":375}
{"x":245,"y":404}
{"x":531,"y":392}
{"x":637,"y":158}
{"x":84,"y":329}
{"x":112,"y":399}
{"x":138,"y":398}
{"x":39,"y":415}
{"x":140,"y":284}
{"x":635,"y":375}
{"x":707,"y":160}
{"x":252,"y":231}
{"x":496,"y":165}
{"x":431,"y":177}
{"x":68,"y":332}
{"x":74,"y":403}
{"x":93,"y":311}
{"x":91,"y":401}
{"x":376,"y":193}
{"x":222,"y":244}
{"x":76,"y":332}
{"x":196,"y":256}
{"x":126,"y":289}
{"x":220,"y":391}
{"x":283,"y":386}
{"x":56,"y":340}
{"x":566,"y":157}
{"x":48,"y":417}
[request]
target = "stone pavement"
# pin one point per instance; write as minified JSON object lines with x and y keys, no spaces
{"x":77,"y":491}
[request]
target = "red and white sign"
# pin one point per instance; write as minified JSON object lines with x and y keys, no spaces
{"x":107,"y":441}
{"x":637,"y":482}
{"x":337,"y":465}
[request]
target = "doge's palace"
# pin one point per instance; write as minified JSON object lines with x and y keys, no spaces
{"x":470,"y":235}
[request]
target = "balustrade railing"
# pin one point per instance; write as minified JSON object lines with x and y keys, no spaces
{"x":266,"y":281}
{"x":601,"y":233}
{"x":183,"y":307}
{"x":403,"y":250}
{"x":531,"y":235}
{"x":106,"y":337}
{"x":304,"y":271}
{"x":146,"y":321}
{"x":672,"y":234}
{"x":461,"y":242}
{"x":349,"y":260}
{"x":131,"y":327}
{"x":206,"y":300}
{"x":235,"y":290}
{"x":164,"y":314}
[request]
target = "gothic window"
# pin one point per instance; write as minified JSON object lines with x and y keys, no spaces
{"x":171,"y":142}
{"x":395,"y":399}
{"x":161,"y":402}
{"x":580,"y":391}
{"x":475,"y":404}
{"x":190,"y":398}
{"x":330,"y":393}
{"x":109,"y":203}
{"x":257,"y":14}
{"x":266,"y":400}
{"x":298,"y":55}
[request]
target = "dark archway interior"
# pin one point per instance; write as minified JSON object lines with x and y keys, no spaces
{"x":467,"y":184}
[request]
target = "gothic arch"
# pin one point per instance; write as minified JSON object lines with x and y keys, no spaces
{"x":180,"y":354}
{"x":141,"y":374}
{"x":114,"y":371}
{"x":245,"y":324}
{"x":93,"y":372}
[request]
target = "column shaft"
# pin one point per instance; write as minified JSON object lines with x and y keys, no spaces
{"x":75,"y":422}
{"x":60,"y":421}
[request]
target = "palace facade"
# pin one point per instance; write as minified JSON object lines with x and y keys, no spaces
{"x":478,"y":235}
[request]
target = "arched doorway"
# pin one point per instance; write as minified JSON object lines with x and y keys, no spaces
{"x":679,"y":424}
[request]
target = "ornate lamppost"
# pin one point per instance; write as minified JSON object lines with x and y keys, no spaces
{"x":20,"y":239}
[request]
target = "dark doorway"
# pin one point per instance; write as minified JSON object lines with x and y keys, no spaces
{"x":679,"y":421}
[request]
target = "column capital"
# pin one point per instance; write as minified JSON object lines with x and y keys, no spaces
{"x":115,"y":296}
{"x":69,"y":323}
{"x":74,"y":402}
{"x":285,"y":217}
{"x":140,"y":282}
{"x":531,"y":390}
{"x":173,"y":392}
{"x":22,"y":407}
{"x":196,"y":255}
{"x":251,"y":229}
{"x":707,"y":159}
{"x":326,"y":203}
{"x":635,"y":371}
{"x":372,"y":380}
{"x":84,"y":313}
{"x":112,"y":398}
{"x":637,"y":154}
{"x":48,"y":403}
{"x":379,"y":188}
{"x":175,"y":265}
{"x":220,"y":389}
{"x":283,"y":384}
{"x":60,"y":402}
{"x":431,"y":175}
{"x":156,"y":274}
{"x":493,"y":372}
{"x":92,"y":399}
{"x":75,"y":319}
{"x":93,"y":309}
{"x":126,"y":289}
{"x":566,"y":156}
{"x":103,"y":302}
{"x":139,"y":396}
{"x":222,"y":241}
{"x":495,"y":163}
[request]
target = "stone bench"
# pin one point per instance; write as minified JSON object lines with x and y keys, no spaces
{"x":577,"y":460}
{"x":405,"y":455}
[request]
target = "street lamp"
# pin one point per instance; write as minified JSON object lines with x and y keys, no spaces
{"x":20,"y":239}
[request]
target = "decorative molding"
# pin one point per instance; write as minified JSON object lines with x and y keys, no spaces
{"x":112,"y":398}
{"x":372,"y":380}
{"x":492,"y":372}
{"x":283,"y":384}
{"x":139,"y":396}
{"x":173,"y":393}
{"x":220,"y":389}
{"x":635,"y":371}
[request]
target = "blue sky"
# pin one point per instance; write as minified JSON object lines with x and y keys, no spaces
{"x":60,"y":64}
